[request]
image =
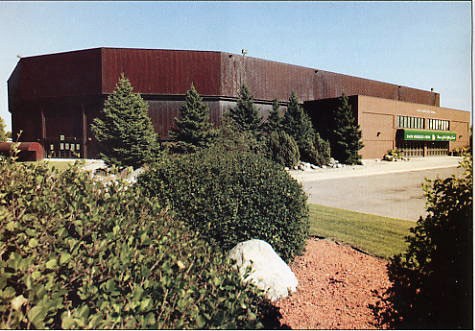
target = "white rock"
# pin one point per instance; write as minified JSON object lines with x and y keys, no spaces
{"x":93,"y":165}
{"x":269,"y":272}
{"x":286,"y":168}
{"x":131,"y":178}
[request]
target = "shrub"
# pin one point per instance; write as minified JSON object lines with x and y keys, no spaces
{"x":432,"y":280}
{"x":77,"y":254}
{"x":393,"y":155}
{"x":283,"y":149}
{"x":231,"y":139}
{"x":322,"y":148}
{"x":231,"y":197}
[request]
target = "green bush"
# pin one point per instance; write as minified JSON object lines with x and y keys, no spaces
{"x":322,"y":148}
{"x":75,"y":253}
{"x":231,"y":139}
{"x":231,"y":197}
{"x":432,"y":281}
{"x":283,"y":149}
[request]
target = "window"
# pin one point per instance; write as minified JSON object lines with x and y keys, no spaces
{"x":410,"y":122}
{"x":435,"y":124}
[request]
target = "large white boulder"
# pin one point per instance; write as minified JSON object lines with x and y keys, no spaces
{"x":269,"y":272}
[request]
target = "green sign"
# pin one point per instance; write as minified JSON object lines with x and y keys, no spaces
{"x":426,"y":135}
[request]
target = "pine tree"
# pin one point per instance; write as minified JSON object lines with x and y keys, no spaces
{"x":274,"y":121}
{"x":3,"y":134}
{"x":245,"y":116}
{"x":124,"y":131}
{"x":346,"y":134}
{"x":298,"y":124}
{"x":193,"y":128}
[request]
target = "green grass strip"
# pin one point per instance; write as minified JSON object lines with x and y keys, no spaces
{"x":60,"y":165}
{"x":377,"y":235}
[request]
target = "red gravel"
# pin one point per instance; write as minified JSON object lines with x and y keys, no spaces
{"x":335,"y":284}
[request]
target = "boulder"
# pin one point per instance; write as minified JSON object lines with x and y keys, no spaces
{"x":131,"y":176}
{"x":269,"y":272}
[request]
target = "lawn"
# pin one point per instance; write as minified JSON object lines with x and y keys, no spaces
{"x":60,"y":165}
{"x":376,"y":235}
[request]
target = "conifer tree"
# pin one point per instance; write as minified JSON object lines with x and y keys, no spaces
{"x":298,"y":125}
{"x":245,"y":116}
{"x":346,"y":134}
{"x":193,"y":127}
{"x":274,"y":121}
{"x":3,"y":134}
{"x":124,"y":131}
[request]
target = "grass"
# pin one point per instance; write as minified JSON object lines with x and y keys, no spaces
{"x":376,"y":235}
{"x":60,"y":165}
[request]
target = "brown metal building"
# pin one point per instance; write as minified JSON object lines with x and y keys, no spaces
{"x":54,"y":98}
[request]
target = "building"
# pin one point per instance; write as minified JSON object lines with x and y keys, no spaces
{"x":54,"y":98}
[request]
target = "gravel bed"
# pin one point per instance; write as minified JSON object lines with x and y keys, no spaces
{"x":335,"y":288}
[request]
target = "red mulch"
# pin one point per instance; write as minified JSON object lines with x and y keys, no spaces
{"x":335,"y":288}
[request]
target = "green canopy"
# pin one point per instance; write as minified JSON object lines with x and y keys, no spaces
{"x":428,"y":135}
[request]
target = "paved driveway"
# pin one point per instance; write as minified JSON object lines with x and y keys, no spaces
{"x":398,"y":195}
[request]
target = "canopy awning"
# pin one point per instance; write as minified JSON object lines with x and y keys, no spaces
{"x":428,"y":135}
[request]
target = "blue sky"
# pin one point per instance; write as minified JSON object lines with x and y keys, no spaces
{"x":417,"y":44}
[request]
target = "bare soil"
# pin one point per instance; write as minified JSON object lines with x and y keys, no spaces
{"x":335,"y":288}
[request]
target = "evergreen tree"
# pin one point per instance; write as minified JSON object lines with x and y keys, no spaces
{"x":124,"y":131}
{"x":193,"y":128}
{"x":346,"y":134}
{"x":3,"y":134}
{"x":245,"y":116}
{"x":297,"y":124}
{"x":274,"y":121}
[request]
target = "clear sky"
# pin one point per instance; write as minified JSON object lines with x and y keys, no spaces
{"x":416,"y":44}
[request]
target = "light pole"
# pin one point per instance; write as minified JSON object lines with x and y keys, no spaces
{"x":243,"y":67}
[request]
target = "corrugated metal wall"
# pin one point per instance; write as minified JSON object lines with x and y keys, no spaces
{"x":57,"y":75}
{"x":331,"y":85}
{"x":267,"y":80}
{"x":161,"y":71}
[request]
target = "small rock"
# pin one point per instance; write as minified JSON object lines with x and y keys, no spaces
{"x":286,"y":168}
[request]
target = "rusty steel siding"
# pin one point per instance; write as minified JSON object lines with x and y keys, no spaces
{"x":64,"y":74}
{"x":161,"y":71}
{"x":163,"y":113}
{"x":419,"y":96}
{"x":332,"y":85}
{"x":267,"y":80}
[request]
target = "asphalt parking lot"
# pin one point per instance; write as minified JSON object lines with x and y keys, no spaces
{"x":397,"y":195}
